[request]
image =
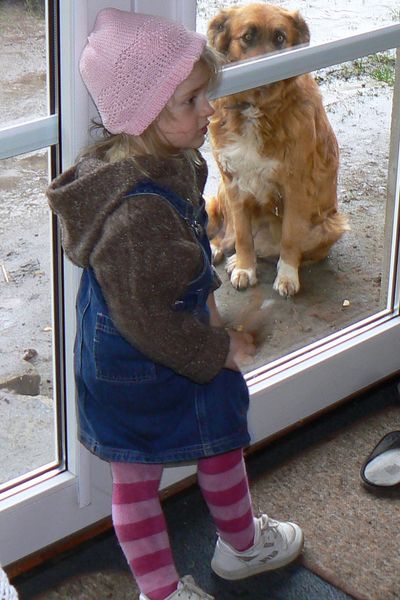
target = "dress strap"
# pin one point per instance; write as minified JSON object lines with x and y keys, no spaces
{"x":195,"y":217}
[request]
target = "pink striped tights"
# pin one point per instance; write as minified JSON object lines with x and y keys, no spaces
{"x":140,"y":525}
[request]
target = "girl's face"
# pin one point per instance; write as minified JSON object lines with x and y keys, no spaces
{"x":183,"y":123}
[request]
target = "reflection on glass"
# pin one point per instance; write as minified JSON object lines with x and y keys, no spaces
{"x":352,"y":283}
{"x":27,"y":419}
{"x":23,"y":89}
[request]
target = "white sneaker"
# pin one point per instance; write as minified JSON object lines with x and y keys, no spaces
{"x":275,"y":545}
{"x":186,"y":590}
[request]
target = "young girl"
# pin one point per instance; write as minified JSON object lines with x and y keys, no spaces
{"x":157,"y":375}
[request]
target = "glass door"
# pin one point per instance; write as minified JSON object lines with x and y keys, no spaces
{"x":30,"y":419}
{"x":51,"y":486}
{"x":40,"y":459}
{"x":332,"y":338}
{"x":339,"y":334}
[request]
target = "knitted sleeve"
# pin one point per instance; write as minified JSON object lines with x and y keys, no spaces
{"x":143,"y":262}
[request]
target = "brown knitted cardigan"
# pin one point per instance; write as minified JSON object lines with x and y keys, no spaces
{"x":143,"y":255}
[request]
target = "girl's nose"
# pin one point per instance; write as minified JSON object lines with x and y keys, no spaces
{"x":211,"y":109}
{"x":207,"y":108}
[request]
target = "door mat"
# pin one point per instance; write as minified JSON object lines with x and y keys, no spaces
{"x":352,"y":535}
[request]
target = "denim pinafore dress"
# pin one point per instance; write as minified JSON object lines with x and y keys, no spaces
{"x":131,"y":409}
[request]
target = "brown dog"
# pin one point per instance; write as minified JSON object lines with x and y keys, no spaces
{"x":277,"y":155}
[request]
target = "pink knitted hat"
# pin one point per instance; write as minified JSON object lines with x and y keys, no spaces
{"x":133,"y":63}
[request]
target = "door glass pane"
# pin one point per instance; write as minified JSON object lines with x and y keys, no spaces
{"x":27,"y":416}
{"x":353,"y":282}
{"x":29,"y":441}
{"x":23,"y":87}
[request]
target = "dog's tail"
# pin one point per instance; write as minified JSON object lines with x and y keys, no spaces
{"x":335,"y":225}
{"x":325,"y":234}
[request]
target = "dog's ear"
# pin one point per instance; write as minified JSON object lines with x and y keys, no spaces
{"x":219,"y":32}
{"x":302,"y":32}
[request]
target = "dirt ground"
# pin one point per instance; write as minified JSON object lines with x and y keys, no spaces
{"x":335,"y":293}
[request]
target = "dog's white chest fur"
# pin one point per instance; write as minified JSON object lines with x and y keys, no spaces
{"x":251,"y":172}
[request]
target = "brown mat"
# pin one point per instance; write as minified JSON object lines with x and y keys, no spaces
{"x":352,"y":535}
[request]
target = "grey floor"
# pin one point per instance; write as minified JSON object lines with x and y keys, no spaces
{"x":192,"y":532}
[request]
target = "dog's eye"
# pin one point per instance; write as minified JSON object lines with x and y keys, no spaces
{"x":279,"y":38}
{"x":220,"y":27}
{"x":250,"y":35}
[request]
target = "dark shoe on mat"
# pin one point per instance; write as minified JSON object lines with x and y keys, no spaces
{"x":382,"y":467}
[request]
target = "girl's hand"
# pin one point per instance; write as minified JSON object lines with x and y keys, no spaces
{"x":241,"y":350}
{"x":242,"y":346}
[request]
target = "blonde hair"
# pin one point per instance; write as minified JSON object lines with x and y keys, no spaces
{"x":115,"y":147}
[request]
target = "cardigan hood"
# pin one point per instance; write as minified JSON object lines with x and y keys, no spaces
{"x":87,"y":194}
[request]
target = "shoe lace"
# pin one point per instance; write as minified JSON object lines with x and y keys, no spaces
{"x":271,"y":530}
{"x":193,"y":591}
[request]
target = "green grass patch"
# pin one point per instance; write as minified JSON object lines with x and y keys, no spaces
{"x":379,"y":66}
{"x":383,"y":68}
{"x":395,"y":13}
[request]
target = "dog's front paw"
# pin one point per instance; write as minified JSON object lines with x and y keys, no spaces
{"x":287,"y":280}
{"x":217,"y":254}
{"x":240,"y":278}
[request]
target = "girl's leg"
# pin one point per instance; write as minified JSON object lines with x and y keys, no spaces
{"x":140,"y":527}
{"x":245,"y":546}
{"x":224,"y":485}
